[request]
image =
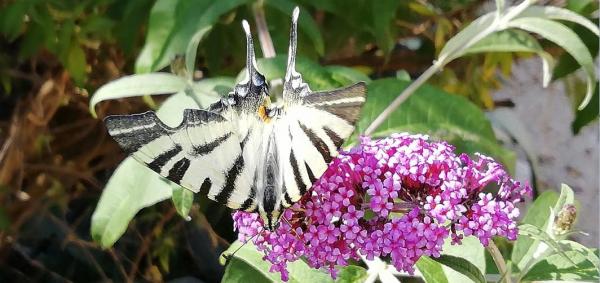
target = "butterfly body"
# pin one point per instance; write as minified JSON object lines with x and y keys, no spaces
{"x":243,"y":151}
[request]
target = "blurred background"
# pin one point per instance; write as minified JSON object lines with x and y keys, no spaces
{"x":56,"y":157}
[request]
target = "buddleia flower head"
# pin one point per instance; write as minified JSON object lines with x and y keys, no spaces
{"x":399,"y":197}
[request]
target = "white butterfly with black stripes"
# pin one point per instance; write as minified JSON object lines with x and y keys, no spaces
{"x":243,"y":151}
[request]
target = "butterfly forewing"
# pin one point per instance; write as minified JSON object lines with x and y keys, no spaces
{"x":202,"y":154}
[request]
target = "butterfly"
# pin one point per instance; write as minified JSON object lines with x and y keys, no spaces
{"x":244,"y":151}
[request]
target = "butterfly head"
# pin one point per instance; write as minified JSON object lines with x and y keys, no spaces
{"x":251,"y":92}
{"x":270,"y":219}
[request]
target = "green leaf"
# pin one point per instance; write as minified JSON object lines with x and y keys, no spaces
{"x":588,"y":114}
{"x":133,"y":186}
{"x":557,"y":267}
{"x":432,"y":271}
{"x":500,"y":6}
{"x":583,"y":250}
{"x":12,"y":18}
{"x":557,"y":13}
{"x":138,"y":85}
{"x":463,"y":38}
{"x":306,"y":23}
{"x":251,"y":266}
{"x":434,"y":112}
{"x":567,"y":196}
{"x":463,"y":266}
{"x":192,"y":50}
{"x":514,"y":41}
{"x":538,"y":215}
{"x":352,"y":274}
{"x":76,"y":63}
{"x":172,"y":25}
{"x":471,"y":251}
{"x":183,"y":200}
{"x":537,"y":233}
{"x":566,"y":63}
{"x":568,"y":40}
{"x":384,"y":13}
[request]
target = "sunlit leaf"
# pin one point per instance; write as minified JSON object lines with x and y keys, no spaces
{"x":575,"y":267}
{"x":557,"y":13}
{"x":138,"y":85}
{"x":568,"y":40}
{"x":432,"y":271}
{"x":182,"y":200}
{"x":470,"y":251}
{"x":462,"y":266}
{"x":248,"y":264}
{"x":133,"y":186}
{"x":515,"y":41}
{"x":538,"y":214}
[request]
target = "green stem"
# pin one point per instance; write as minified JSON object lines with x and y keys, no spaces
{"x":403,"y":96}
{"x":499,"y":260}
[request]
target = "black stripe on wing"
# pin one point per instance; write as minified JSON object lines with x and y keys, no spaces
{"x":136,"y":130}
{"x":345,"y":103}
{"x":230,"y":178}
{"x":318,"y":143}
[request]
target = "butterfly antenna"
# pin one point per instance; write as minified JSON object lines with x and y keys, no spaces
{"x":230,"y":256}
{"x":250,"y":57}
{"x":291,"y":63}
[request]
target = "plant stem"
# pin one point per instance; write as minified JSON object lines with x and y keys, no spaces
{"x":499,"y":260}
{"x":403,"y":96}
{"x":264,"y":37}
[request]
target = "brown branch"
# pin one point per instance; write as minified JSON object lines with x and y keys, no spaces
{"x":145,"y":246}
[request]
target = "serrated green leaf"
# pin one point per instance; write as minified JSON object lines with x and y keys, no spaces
{"x":138,"y":85}
{"x":568,"y":40}
{"x":434,"y":112}
{"x":432,"y":271}
{"x":253,"y":266}
{"x":306,"y":23}
{"x":557,"y":13}
{"x":182,"y":200}
{"x":172,"y":25}
{"x":462,"y":266}
{"x":515,"y":41}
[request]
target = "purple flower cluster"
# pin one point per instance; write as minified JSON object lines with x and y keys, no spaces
{"x":398,"y":197}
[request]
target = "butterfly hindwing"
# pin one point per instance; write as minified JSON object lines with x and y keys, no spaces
{"x":202,"y":154}
{"x":311,"y":133}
